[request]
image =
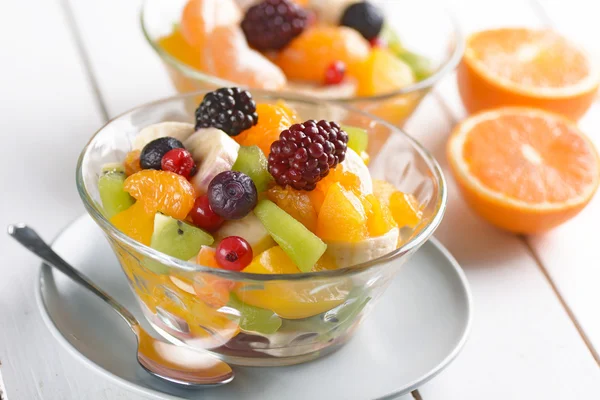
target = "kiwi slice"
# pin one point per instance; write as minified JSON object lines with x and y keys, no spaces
{"x":252,"y":162}
{"x":254,"y":319}
{"x":177,"y":239}
{"x":300,"y":244}
{"x":358,"y":138}
{"x":114,"y":198}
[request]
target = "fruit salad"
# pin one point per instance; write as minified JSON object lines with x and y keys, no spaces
{"x":338,"y":49}
{"x":252,"y":188}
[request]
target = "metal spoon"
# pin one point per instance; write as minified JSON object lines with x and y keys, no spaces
{"x":169,"y":362}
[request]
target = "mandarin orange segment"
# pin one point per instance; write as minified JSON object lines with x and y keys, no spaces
{"x":213,"y":290}
{"x":227,"y":55}
{"x":308,"y":56}
{"x":176,"y":46}
{"x":524,"y":170}
{"x":162,"y":191}
{"x":136,"y":222}
{"x":272,"y":119}
{"x":342,"y":216}
{"x":379,"y":220}
{"x":404,"y":207}
{"x":201,"y":17}
{"x":292,"y":300}
{"x":132,"y":162}
{"x":347,"y":179}
{"x":526,"y":67}
{"x":383,"y":72}
{"x":296,"y":203}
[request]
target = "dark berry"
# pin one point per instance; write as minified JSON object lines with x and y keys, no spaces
{"x":365,"y":17}
{"x":306,"y":152}
{"x":232,"y":194}
{"x":335,"y":73}
{"x":153,"y":152}
{"x":179,"y":161}
{"x":272,"y":24}
{"x":233,"y":253}
{"x":203,"y":216}
{"x":231,"y":110}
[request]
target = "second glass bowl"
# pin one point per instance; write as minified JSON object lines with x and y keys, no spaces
{"x":424,"y":27}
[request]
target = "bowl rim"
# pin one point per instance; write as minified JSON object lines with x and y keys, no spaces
{"x":172,"y":262}
{"x":446,"y":67}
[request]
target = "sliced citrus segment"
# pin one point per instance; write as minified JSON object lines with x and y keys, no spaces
{"x":272,"y":119}
{"x":526,"y":67}
{"x":524,"y":170}
{"x":296,"y":203}
{"x":162,"y":191}
{"x":201,"y":17}
{"x":308,"y":56}
{"x":342,"y":217}
{"x":403,"y":206}
{"x":227,"y":55}
{"x":292,"y":300}
{"x":379,"y":217}
{"x":383,"y":73}
{"x":136,"y":222}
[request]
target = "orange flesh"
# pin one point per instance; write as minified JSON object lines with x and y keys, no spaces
{"x":162,"y":191}
{"x":532,"y":159}
{"x":529,"y":58}
{"x":272,"y":119}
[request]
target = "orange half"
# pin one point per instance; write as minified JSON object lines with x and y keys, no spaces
{"x":524,"y":170}
{"x":526,"y":67}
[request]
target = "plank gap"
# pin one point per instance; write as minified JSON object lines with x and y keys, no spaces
{"x":75,"y":32}
{"x":564,"y":304}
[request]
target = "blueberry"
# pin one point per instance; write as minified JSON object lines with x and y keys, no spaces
{"x":153,"y":152}
{"x":365,"y":17}
{"x":232,"y":194}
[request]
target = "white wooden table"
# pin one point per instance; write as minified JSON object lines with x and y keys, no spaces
{"x":69,"y":65}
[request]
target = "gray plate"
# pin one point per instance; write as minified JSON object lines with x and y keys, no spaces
{"x":417,"y":328}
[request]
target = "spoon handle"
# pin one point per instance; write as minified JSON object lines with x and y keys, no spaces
{"x":34,"y":243}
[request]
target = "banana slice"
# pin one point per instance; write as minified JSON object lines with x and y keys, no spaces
{"x":329,"y":12}
{"x":348,"y":254}
{"x":214,"y":152}
{"x":177,"y":130}
{"x":355,"y":164}
{"x":249,"y":228}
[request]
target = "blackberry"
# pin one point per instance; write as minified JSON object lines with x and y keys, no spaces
{"x":365,"y":17}
{"x":306,"y":152}
{"x":231,"y":110}
{"x":272,"y":24}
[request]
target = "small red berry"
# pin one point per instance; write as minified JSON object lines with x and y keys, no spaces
{"x":335,"y":73}
{"x":203,"y":216}
{"x":377,"y":42}
{"x":234,"y":253}
{"x":179,"y":161}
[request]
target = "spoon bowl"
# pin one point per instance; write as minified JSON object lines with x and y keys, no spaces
{"x":176,"y":364}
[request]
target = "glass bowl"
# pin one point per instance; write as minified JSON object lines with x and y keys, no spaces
{"x":414,"y":22}
{"x":254,"y":319}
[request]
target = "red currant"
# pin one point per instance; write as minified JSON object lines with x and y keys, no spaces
{"x":179,"y":161}
{"x":377,"y":42}
{"x":234,"y":253}
{"x":335,"y":73}
{"x":203,"y":216}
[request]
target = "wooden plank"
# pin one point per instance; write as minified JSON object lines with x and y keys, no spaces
{"x":49,"y":113}
{"x":126,"y":68}
{"x":511,"y":349}
{"x":569,"y":252}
